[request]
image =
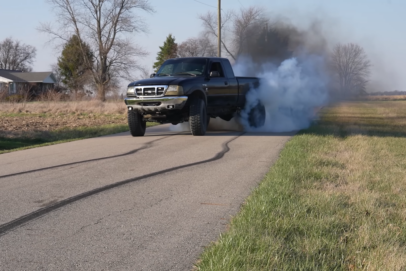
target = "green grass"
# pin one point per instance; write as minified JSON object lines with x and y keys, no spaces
{"x":9,"y":144}
{"x":52,"y":115}
{"x":334,"y":200}
{"x":62,"y":135}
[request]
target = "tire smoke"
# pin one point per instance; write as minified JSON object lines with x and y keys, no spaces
{"x":290,"y":93}
{"x":181,"y":127}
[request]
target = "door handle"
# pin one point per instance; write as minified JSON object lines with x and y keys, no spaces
{"x":226,"y":83}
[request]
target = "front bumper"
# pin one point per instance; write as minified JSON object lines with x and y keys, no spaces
{"x":154,"y":104}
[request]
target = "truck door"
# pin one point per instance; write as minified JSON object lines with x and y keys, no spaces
{"x":220,"y":92}
{"x":232,"y":81}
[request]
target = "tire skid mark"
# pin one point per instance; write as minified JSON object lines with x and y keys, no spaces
{"x":146,"y":146}
{"x":4,"y":228}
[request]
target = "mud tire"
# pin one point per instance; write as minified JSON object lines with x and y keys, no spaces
{"x":136,"y":123}
{"x":198,"y":117}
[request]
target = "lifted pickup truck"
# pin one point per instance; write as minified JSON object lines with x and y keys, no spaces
{"x":190,"y":90}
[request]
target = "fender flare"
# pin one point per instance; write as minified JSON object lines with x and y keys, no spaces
{"x":198,"y":93}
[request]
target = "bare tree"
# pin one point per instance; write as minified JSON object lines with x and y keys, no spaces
{"x":16,"y":56}
{"x":189,"y":48}
{"x":352,"y":66}
{"x":246,"y":24}
{"x":104,"y":25}
{"x":195,"y":47}
{"x":144,"y":73}
{"x":209,"y":21}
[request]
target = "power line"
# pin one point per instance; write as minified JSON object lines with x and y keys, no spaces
{"x":205,"y":4}
{"x":218,"y":23}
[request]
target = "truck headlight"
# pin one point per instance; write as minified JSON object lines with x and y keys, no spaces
{"x":130,"y":90}
{"x":174,"y":90}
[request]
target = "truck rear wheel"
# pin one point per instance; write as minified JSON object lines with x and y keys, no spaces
{"x":136,"y":123}
{"x":198,"y":117}
{"x":256,"y":116}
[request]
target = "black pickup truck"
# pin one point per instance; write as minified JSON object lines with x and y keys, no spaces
{"x":190,"y":90}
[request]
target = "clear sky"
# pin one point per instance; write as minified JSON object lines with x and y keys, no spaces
{"x":377,"y":25}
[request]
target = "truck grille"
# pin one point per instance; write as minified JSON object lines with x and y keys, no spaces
{"x":150,"y":91}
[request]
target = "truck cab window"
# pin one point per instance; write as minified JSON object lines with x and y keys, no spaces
{"x":216,"y":67}
{"x":183,"y":66}
{"x":228,"y":69}
{"x":167,"y":69}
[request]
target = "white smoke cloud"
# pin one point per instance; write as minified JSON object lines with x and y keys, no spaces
{"x":290,"y":93}
{"x":181,"y":127}
{"x":216,"y":124}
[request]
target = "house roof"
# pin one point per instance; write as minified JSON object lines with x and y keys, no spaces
{"x":28,"y":77}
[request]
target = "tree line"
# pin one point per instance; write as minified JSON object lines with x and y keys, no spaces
{"x":97,"y":51}
{"x":250,"y":33}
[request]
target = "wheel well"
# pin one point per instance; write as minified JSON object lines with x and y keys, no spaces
{"x":198,"y":94}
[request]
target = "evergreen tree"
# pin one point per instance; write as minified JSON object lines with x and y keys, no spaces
{"x":74,"y":66}
{"x":168,"y":50}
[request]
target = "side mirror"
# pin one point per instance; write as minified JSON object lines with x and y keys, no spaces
{"x":214,"y":74}
{"x":152,"y":75}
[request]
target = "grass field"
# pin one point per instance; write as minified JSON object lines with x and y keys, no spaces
{"x":59,"y":136}
{"x":335,"y":199}
{"x":385,"y":98}
{"x":28,"y":125}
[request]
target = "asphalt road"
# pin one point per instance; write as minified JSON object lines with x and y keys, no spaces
{"x":124,"y":203}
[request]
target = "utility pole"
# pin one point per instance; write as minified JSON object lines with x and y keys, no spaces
{"x":219,"y":30}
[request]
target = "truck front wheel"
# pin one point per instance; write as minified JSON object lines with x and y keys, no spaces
{"x":136,"y":123}
{"x":198,"y":117}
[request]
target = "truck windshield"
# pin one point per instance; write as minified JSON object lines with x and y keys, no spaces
{"x":181,"y":67}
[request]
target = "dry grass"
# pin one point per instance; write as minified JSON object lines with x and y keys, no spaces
{"x":367,"y":174}
{"x":29,"y":124}
{"x":373,"y":117}
{"x":36,"y":119}
{"x":92,"y":106}
{"x":335,"y":200}
{"x":384,"y":98}
{"x":367,"y":161}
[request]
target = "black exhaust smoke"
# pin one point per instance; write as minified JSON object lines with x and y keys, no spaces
{"x":293,"y":67}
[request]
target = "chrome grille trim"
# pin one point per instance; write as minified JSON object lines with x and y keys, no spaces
{"x":150,"y":91}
